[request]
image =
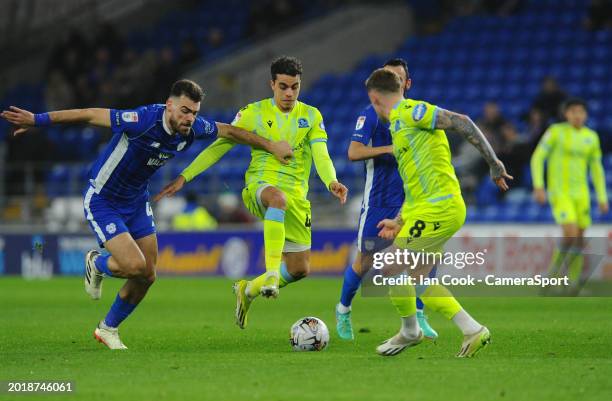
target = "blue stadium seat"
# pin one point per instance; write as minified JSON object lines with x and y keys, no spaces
{"x":487,"y":192}
{"x":475,"y":58}
{"x":56,"y":180}
{"x":88,"y":142}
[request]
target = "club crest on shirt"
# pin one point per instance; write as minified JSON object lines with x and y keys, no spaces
{"x":360,"y":123}
{"x":419,"y":112}
{"x":111,"y":228}
{"x":208,"y":127}
{"x":303,"y":123}
{"x":129,"y":116}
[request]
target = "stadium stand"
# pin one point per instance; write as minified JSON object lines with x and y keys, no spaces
{"x":473,"y":60}
{"x":510,"y":59}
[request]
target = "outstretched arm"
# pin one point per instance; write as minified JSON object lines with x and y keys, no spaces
{"x":463,"y":125}
{"x":359,"y":151}
{"x":207,"y":158}
{"x":281,"y":150}
{"x":25,"y":119}
{"x":201,"y":163}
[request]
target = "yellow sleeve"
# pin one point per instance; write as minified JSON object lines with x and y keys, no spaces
{"x":318,"y":144}
{"x":323,"y":163}
{"x":539,"y":157}
{"x":597,"y":172}
{"x":245,"y":118}
{"x":207,"y":158}
{"x":417,"y":114}
{"x":317,"y":132}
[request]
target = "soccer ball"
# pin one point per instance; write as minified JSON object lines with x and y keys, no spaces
{"x":309,"y":334}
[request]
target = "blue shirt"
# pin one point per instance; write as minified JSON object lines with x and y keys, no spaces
{"x":140,"y":145}
{"x":383,"y":186}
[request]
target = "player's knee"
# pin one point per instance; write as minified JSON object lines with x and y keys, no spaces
{"x":568,"y":241}
{"x":570,"y":231}
{"x":300,"y":271}
{"x":152,"y":270}
{"x":150,"y":277}
{"x":152,"y":264}
{"x":278,"y":200}
{"x":136,"y":267}
{"x":356,"y":266}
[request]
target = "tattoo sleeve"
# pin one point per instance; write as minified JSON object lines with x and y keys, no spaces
{"x":464,"y":126}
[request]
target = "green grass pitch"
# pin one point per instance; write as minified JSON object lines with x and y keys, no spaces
{"x":184,"y":346}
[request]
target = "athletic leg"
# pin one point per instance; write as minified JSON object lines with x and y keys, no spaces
{"x":136,"y":261}
{"x":428,"y":331}
{"x":420,"y":235}
{"x":132,"y":259}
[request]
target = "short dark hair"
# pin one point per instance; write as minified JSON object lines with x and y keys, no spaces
{"x":397,"y":62}
{"x":574,"y":101}
{"x":285,"y":65}
{"x":188,"y":88}
{"x":385,"y":81}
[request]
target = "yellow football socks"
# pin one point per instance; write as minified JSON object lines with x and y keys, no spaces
{"x":274,"y":237}
{"x":404,"y":299}
{"x":438,"y":298}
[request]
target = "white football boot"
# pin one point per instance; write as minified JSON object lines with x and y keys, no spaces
{"x":108,"y":336}
{"x":397,"y":344}
{"x":474,"y":343}
{"x":93,"y":277}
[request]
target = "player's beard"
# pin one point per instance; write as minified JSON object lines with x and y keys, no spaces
{"x":187,"y":129}
{"x":176,"y":127}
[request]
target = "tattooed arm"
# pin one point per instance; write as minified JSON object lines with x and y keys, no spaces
{"x":463,"y":125}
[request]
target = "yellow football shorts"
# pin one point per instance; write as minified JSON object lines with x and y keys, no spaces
{"x":567,"y":210}
{"x":427,"y":229}
{"x":297,"y":216}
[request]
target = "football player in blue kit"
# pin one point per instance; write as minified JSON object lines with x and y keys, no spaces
{"x":382,"y":199}
{"x":116,"y":200}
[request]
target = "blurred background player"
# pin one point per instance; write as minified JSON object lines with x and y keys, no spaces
{"x":433,"y":209}
{"x":193,"y":217}
{"x":275,"y":193}
{"x":571,"y":149}
{"x":382,"y":198}
{"x":116,"y":200}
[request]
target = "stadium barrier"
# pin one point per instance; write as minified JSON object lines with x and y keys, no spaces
{"x":524,"y":248}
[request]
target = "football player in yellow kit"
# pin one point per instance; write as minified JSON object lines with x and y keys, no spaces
{"x":274,"y":192}
{"x":433,"y":209}
{"x":571,"y":149}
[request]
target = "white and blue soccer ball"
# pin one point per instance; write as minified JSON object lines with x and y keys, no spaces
{"x":309,"y":334}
